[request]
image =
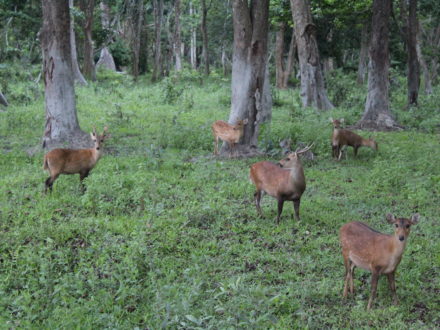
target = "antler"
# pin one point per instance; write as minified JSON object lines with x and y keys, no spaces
{"x":305,"y":149}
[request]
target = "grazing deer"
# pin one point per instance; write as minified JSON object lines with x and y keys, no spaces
{"x":73,"y":161}
{"x":378,"y":253}
{"x":285,"y":181}
{"x":343,"y":137}
{"x":228,"y":133}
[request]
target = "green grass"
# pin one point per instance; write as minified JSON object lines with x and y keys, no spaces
{"x":168,"y":236}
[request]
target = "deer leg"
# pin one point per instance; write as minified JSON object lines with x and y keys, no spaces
{"x":280,"y":209}
{"x":296,"y":203}
{"x":352,"y":266}
{"x":392,"y":285}
{"x":216,"y":145}
{"x":49,"y":182}
{"x":257,"y":196}
{"x":374,"y":280}
{"x":334,"y":151}
{"x":355,"y":150}
{"x":347,"y":275}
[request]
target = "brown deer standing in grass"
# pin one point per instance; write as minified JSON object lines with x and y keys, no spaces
{"x":343,"y":137}
{"x":73,"y":161}
{"x":378,"y":253}
{"x":228,"y":133}
{"x":285,"y":181}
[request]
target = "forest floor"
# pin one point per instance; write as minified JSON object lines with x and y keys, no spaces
{"x":167,"y":236}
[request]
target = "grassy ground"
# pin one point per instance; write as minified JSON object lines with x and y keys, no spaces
{"x":168,"y":236}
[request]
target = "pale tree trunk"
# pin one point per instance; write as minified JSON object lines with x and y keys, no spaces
{"x":423,"y":65}
{"x":193,"y":43}
{"x":313,"y":93}
{"x":105,"y":58}
{"x":249,"y":92}
{"x":87,"y":7}
{"x":177,"y":37}
{"x":363,"y":55}
{"x":204,"y":28}
{"x":158,"y":11}
{"x":77,"y":75}
{"x":62,"y":128}
{"x":377,"y":113}
{"x":413,"y":63}
{"x":3,"y":100}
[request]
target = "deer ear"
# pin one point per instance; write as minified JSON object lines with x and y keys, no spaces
{"x":415,"y":218}
{"x":342,"y":120}
{"x":331,"y":119}
{"x":93,"y":135}
{"x":390,"y":218}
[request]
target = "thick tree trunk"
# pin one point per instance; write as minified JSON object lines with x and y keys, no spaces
{"x":313,"y":93}
{"x":279,"y":56}
{"x":363,"y":55}
{"x":77,"y":75}
{"x":105,"y":57}
{"x":177,"y":37}
{"x":3,"y":100}
{"x":87,"y":7}
{"x":413,"y":63}
{"x":249,"y":92}
{"x":158,"y":11}
{"x":290,"y":60}
{"x":377,"y":113}
{"x":193,"y":43}
{"x":62,"y":126}
{"x":204,"y":28}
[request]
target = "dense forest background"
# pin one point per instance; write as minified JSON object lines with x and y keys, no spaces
{"x":166,"y":235}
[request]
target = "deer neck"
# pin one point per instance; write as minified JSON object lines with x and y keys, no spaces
{"x":96,"y":154}
{"x":398,"y":247}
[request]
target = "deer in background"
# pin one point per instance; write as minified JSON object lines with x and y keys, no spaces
{"x":285,"y":181}
{"x":228,"y":133}
{"x":343,"y":137}
{"x":73,"y":161}
{"x":378,"y":253}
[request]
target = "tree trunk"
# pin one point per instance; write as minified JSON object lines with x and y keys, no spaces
{"x":77,"y":75}
{"x":313,"y":93}
{"x":177,"y":37}
{"x":62,"y":126}
{"x":423,"y":65}
{"x":204,"y":29}
{"x":158,"y":10}
{"x":249,"y":99}
{"x":279,"y":56}
{"x":377,"y":113}
{"x":413,"y":63}
{"x":137,"y":18}
{"x":290,"y":60}
{"x":3,"y":100}
{"x":87,"y":7}
{"x":193,"y":44}
{"x":105,"y":57}
{"x":363,"y":55}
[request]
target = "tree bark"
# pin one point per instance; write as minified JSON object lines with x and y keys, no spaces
{"x":137,"y":20}
{"x":279,"y":56}
{"x":423,"y":65}
{"x":158,"y":11}
{"x":62,"y":126}
{"x":363,"y":55}
{"x":249,"y":92}
{"x":377,"y":114}
{"x":413,"y":63}
{"x":87,"y":7}
{"x":290,"y":60}
{"x":313,"y":93}
{"x":106,"y":59}
{"x":193,"y":43}
{"x":204,"y":29}
{"x":177,"y":37}
{"x":77,"y":75}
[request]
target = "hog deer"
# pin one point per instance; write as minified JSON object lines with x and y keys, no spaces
{"x":285,"y":181}
{"x":228,"y":133}
{"x":73,"y":161}
{"x":343,"y":137}
{"x":378,"y":253}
